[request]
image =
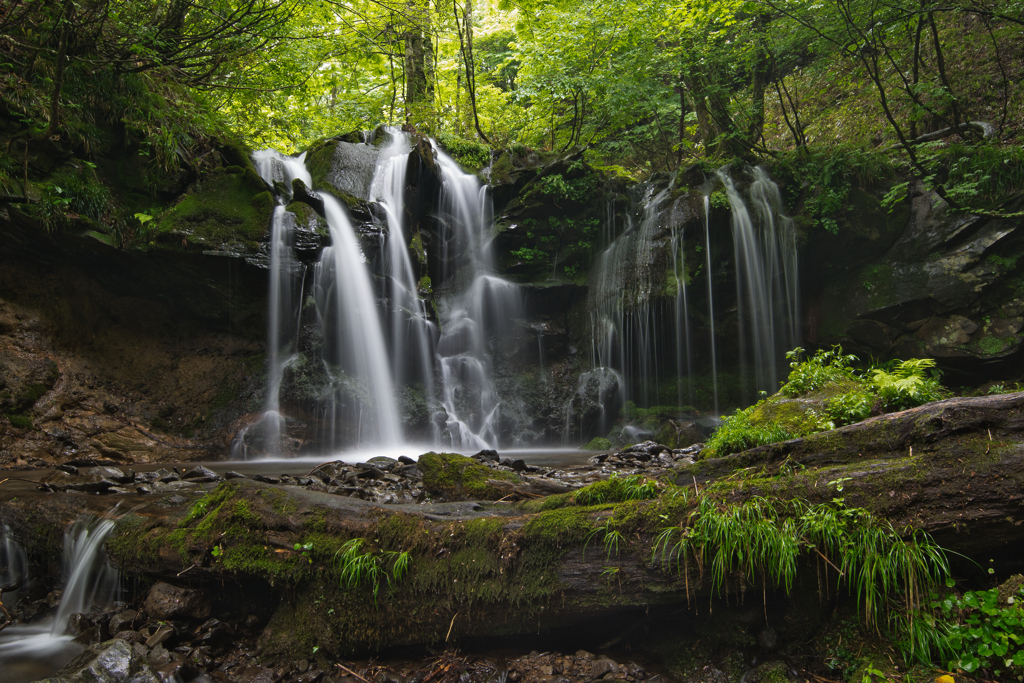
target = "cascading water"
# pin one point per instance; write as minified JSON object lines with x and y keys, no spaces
{"x":354,"y":355}
{"x":13,"y":566}
{"x":378,"y":350}
{"x":283,"y":304}
{"x":34,"y":651}
{"x":642,"y":340}
{"x":766,"y":279}
{"x":360,"y":367}
{"x":477,"y":311}
{"x":412,"y":334}
{"x":623,"y":321}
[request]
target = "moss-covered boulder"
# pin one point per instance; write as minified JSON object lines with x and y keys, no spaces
{"x":231,"y":206}
{"x":456,"y":477}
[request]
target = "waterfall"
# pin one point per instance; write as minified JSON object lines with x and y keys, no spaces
{"x":37,"y":650}
{"x":643,"y":334}
{"x":283,"y":297}
{"x":766,"y":280}
{"x":352,"y":326}
{"x":412,"y":333}
{"x":13,"y":566}
{"x":474,"y":319}
{"x":623,"y":319}
{"x":88,"y":577}
{"x":711,"y":298}
{"x":355,"y":356}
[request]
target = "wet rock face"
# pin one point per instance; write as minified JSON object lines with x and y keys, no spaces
{"x":170,"y":602}
{"x":946,"y":289}
{"x":344,"y":167}
{"x":114,"y":661}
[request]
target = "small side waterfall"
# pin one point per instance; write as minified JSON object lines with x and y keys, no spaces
{"x":638,"y":334}
{"x":13,"y":566}
{"x":37,"y":650}
{"x":623,"y":318}
{"x":283,"y":296}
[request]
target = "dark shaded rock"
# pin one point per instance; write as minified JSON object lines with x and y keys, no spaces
{"x":111,"y":662}
{"x":200,"y":474}
{"x":487,"y":456}
{"x":169,"y":602}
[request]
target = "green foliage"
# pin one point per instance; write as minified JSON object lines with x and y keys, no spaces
{"x":577,"y":189}
{"x":356,"y":566}
{"x":905,"y":385}
{"x":598,"y":443}
{"x":847,"y":396}
{"x":876,"y":563}
{"x":979,"y":631}
{"x":616,"y":490}
{"x":823,"y":178}
{"x":822,"y":369}
{"x":470,"y":154}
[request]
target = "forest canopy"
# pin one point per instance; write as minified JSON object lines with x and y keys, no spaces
{"x":641,"y":85}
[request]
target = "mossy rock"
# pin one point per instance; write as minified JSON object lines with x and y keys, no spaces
{"x":456,"y":477}
{"x":598,"y":443}
{"x":225,"y":208}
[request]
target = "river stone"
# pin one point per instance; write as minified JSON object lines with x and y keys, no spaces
{"x":200,"y":474}
{"x":111,"y":662}
{"x":170,"y":602}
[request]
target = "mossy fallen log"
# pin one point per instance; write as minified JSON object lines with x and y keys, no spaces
{"x":354,"y":576}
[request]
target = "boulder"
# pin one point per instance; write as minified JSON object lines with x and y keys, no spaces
{"x":170,"y":602}
{"x":113,"y":661}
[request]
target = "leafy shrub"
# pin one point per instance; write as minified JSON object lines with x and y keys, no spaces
{"x":896,"y":386}
{"x":906,"y":385}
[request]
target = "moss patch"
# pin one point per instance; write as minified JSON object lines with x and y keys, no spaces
{"x":225,"y":208}
{"x":456,"y":477}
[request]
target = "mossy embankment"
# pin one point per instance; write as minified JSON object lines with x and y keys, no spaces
{"x":487,"y":569}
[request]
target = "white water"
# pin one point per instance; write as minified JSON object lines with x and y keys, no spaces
{"x":282,"y":301}
{"x":33,"y":651}
{"x":623,"y":322}
{"x":473,"y":319}
{"x":766,"y":278}
{"x":412,"y":334}
{"x":345,"y":297}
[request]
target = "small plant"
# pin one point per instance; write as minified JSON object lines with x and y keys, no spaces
{"x":304,"y":549}
{"x":906,"y":385}
{"x":617,"y":489}
{"x":356,"y":566}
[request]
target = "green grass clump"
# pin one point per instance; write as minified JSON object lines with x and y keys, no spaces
{"x":878,"y":564}
{"x":617,"y":489}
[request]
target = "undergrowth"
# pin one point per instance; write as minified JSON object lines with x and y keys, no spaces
{"x":845,"y":394}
